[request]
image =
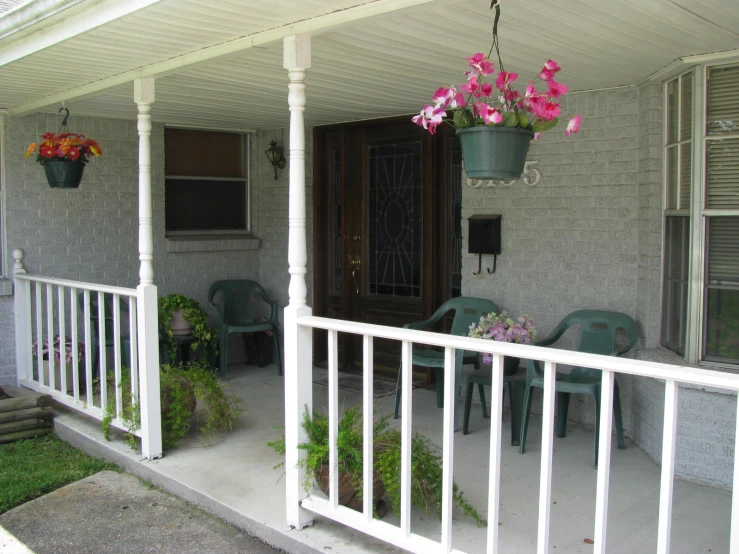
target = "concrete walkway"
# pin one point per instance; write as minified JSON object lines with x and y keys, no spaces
{"x":116,"y":512}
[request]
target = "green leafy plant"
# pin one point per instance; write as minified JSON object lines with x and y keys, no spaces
{"x":181,"y":388}
{"x":426,"y":468}
{"x":195,"y":315}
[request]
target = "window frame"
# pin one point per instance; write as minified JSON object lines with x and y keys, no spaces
{"x":5,"y":268}
{"x":697,"y":214}
{"x":208,"y":233}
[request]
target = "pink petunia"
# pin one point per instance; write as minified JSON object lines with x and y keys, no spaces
{"x":472,"y":86}
{"x":549,"y":70}
{"x":480,"y":64}
{"x":490,"y":115}
{"x":537,"y":136}
{"x":429,"y":118}
{"x":556,"y":89}
{"x":573,"y":126}
{"x":504,"y":79}
{"x":449,"y":98}
{"x":486,"y":89}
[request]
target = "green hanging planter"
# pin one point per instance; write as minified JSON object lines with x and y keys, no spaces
{"x":494,"y":152}
{"x":64,"y":174}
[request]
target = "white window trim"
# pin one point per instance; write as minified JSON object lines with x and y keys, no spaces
{"x":208,"y":234}
{"x":4,"y":265}
{"x":698,"y":215}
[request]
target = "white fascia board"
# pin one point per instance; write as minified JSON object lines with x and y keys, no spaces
{"x":314,"y":26}
{"x":685,"y":63}
{"x":69,"y":27}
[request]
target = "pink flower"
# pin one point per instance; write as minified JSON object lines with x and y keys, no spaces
{"x":546,"y":110}
{"x":556,"y":89}
{"x":504,"y":79}
{"x":490,"y":115}
{"x":537,"y":136}
{"x":511,"y":94}
{"x":429,"y":118}
{"x":449,"y":98}
{"x":480,"y":64}
{"x":548,"y":71}
{"x":472,"y":87}
{"x":573,"y":126}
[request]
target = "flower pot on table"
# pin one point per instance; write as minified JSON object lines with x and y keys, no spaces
{"x":494,"y":152}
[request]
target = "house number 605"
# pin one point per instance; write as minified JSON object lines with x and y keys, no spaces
{"x":531,"y":177}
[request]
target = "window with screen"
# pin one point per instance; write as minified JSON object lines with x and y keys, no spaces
{"x":206,"y":187}
{"x":702,"y":216}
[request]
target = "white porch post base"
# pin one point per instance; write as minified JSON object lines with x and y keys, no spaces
{"x":298,"y":340}
{"x":148,"y":341}
{"x":23,"y":332}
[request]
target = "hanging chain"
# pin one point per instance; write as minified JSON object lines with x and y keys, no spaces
{"x":496,"y":4}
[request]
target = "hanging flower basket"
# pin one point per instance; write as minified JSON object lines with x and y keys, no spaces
{"x":64,"y":174}
{"x":64,"y":155}
{"x":494,"y":152}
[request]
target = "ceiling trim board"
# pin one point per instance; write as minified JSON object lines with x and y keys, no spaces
{"x":310,"y":26}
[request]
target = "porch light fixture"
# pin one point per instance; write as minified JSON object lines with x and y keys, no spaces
{"x":275,"y":157}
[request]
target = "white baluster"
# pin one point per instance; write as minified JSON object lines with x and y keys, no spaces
{"x":447,"y":484}
{"x":333,"y":418}
{"x":496,"y":434}
{"x":669,"y":437}
{"x":547,"y":447}
{"x":73,"y":321}
{"x":50,"y":334}
{"x":406,"y":356}
{"x":298,"y":340}
{"x":604,"y":461}
{"x":39,"y":334}
{"x":368,"y":427}
{"x":62,"y":342}
{"x":88,"y":346}
{"x":102,"y":352}
{"x":117,"y":354}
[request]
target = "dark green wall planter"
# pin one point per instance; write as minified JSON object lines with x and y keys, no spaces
{"x":64,"y":174}
{"x":494,"y":152}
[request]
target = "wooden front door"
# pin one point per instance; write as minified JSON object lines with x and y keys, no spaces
{"x":382,"y":222}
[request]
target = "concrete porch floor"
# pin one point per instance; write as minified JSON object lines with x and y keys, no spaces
{"x":234,"y":479}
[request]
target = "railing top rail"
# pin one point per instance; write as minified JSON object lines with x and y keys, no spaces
{"x":76,"y":284}
{"x":683,"y":374}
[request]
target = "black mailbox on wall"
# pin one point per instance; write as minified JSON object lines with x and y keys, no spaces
{"x":484,"y":235}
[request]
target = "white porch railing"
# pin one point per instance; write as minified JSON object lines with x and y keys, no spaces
{"x":402,"y":535}
{"x":88,"y":319}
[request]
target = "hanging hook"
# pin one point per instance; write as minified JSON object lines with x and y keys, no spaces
{"x":479,"y":268}
{"x":495,"y":263}
{"x":66,"y":117}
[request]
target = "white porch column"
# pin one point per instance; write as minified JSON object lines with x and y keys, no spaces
{"x":148,"y":324}
{"x":298,"y":340}
{"x":23,"y":332}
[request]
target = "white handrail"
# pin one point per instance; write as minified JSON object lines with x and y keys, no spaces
{"x":684,"y":374}
{"x":78,"y":285}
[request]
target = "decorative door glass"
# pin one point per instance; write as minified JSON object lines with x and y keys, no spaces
{"x":335,"y":183}
{"x":394,"y":193}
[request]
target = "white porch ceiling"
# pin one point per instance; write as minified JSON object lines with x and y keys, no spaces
{"x":383,"y":66}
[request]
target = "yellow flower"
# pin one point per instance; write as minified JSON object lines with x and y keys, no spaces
{"x":31,"y":149}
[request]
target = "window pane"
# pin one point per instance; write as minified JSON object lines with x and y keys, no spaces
{"x":672,"y":178}
{"x":723,"y":251}
{"x":686,"y":106}
{"x":722,"y":115}
{"x":335,"y":179}
{"x":189,"y":153}
{"x":673,"y":111}
{"x":722,"y":173}
{"x":722,"y":325}
{"x":675,"y":290}
{"x":686,"y":167}
{"x":202,"y":205}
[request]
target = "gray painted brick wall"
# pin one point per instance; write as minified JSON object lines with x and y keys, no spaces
{"x":91,"y":234}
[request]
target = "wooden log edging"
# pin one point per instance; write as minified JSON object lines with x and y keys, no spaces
{"x":24,"y":415}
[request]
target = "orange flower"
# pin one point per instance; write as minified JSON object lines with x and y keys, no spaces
{"x":31,"y":149}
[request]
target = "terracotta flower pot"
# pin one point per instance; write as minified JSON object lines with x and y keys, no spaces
{"x":180,"y":326}
{"x":348,"y":494}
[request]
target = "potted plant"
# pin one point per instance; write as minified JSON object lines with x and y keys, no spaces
{"x":502,"y":328}
{"x":62,"y":356}
{"x":426,"y":471}
{"x":496,"y":124}
{"x":182,"y":316}
{"x":64,"y":157}
{"x":181,"y":389}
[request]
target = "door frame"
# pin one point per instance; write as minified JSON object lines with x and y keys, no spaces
{"x":436,"y":288}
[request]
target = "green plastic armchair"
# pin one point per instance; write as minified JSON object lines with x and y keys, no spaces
{"x":233,"y":302}
{"x":466,"y":312}
{"x":597,"y":336}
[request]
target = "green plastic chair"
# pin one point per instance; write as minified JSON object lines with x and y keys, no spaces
{"x":233,"y":302}
{"x":597,"y":336}
{"x":467,"y":311}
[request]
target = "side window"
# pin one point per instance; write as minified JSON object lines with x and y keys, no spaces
{"x":207,"y":186}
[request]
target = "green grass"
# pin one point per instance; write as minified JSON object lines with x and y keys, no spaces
{"x":34,"y":467}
